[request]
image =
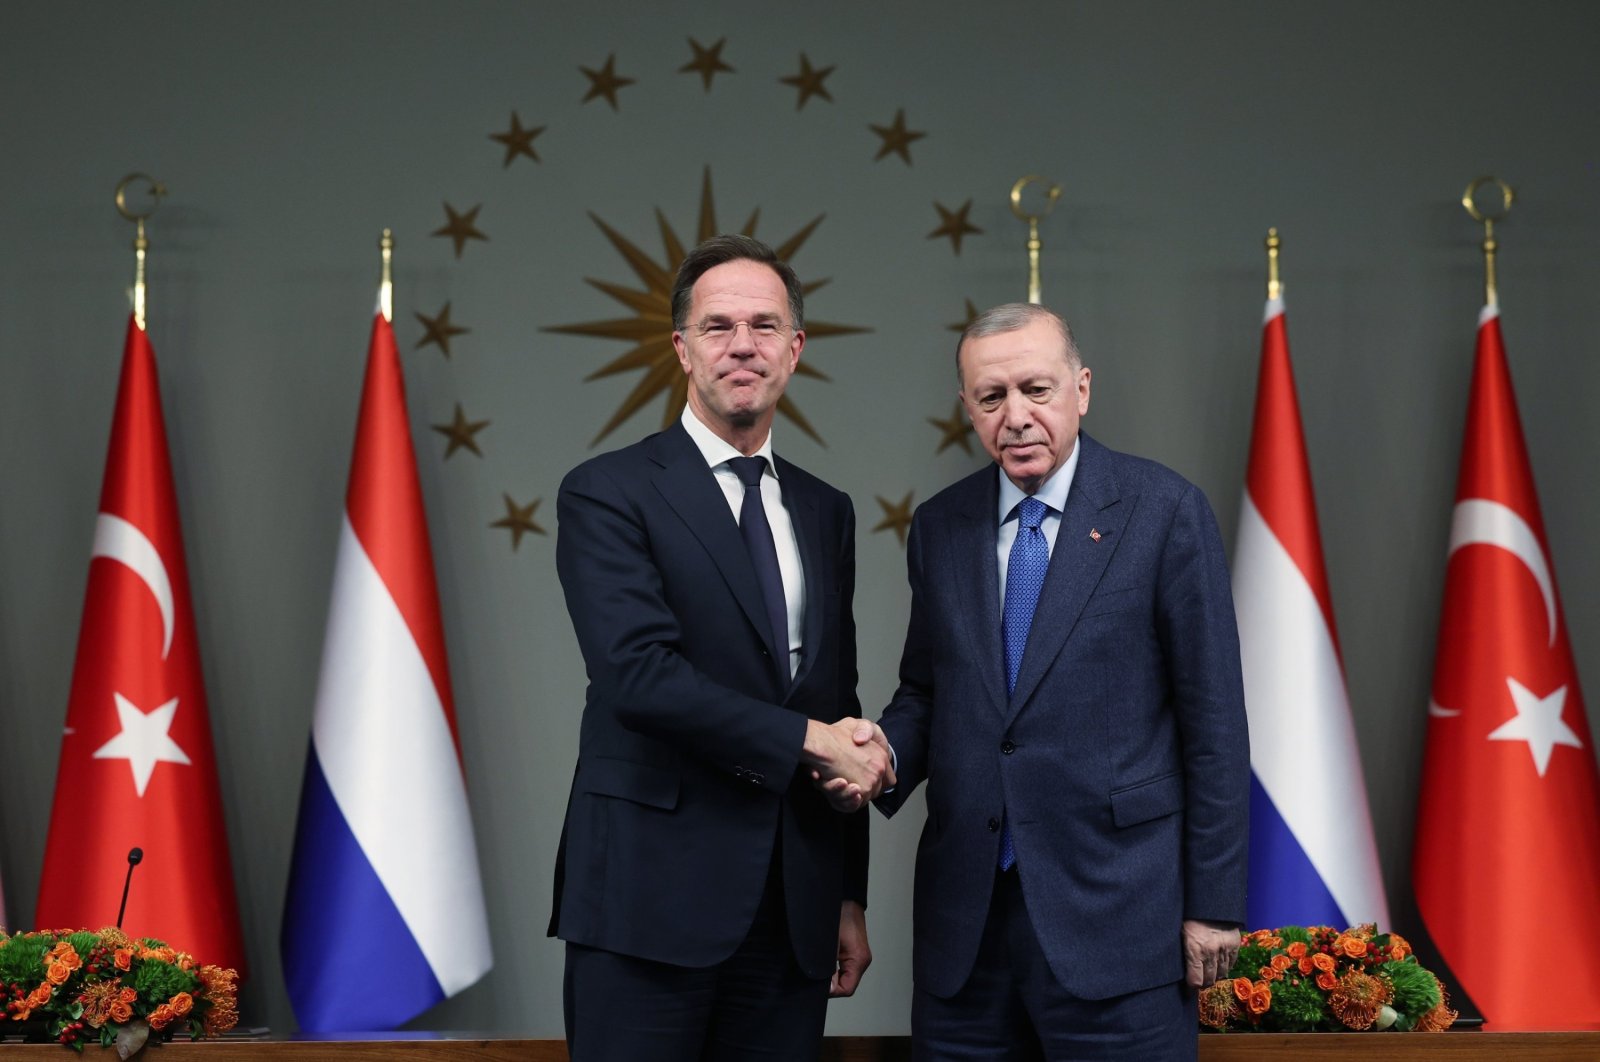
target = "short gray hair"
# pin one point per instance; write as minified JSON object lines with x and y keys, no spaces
{"x":1011,"y":317}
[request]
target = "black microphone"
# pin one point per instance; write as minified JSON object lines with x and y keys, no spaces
{"x":134,"y":857}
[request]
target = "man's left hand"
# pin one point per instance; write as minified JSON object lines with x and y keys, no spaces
{"x":854,"y":953}
{"x":1209,"y":949}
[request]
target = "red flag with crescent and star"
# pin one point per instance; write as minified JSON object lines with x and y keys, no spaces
{"x":137,"y":768}
{"x":1507,"y":857}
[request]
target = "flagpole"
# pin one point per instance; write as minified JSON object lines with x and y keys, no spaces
{"x":386,"y":284}
{"x":141,"y":245}
{"x":1274,"y":284}
{"x":1469,"y":200}
{"x":1051,"y":194}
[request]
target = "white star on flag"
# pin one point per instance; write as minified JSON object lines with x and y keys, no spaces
{"x":144,"y":741}
{"x":1538,"y":722}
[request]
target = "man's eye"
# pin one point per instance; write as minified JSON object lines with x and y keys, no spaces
{"x":767,"y":329}
{"x":714,"y":329}
{"x":1039,"y":394}
{"x":989,"y":401}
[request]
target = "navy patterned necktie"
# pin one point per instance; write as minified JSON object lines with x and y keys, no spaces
{"x":1025,"y":570}
{"x":763,"y":551}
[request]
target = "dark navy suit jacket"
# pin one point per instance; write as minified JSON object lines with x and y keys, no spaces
{"x":1122,"y":759}
{"x":688,"y":760}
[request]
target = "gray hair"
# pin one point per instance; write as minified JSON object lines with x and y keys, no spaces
{"x":1011,"y":317}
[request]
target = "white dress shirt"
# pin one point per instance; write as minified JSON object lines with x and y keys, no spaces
{"x":1053,"y":492}
{"x":717,"y":452}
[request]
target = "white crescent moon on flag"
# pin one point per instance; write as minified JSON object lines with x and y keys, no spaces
{"x":118,"y":540}
{"x":1480,"y":522}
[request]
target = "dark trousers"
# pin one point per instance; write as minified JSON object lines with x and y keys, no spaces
{"x":1012,"y":1008}
{"x":754,"y":1005}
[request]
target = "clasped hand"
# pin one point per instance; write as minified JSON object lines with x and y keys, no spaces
{"x":849,"y":761}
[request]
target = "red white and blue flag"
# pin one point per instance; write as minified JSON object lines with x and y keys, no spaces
{"x":385,"y":914}
{"x":1507,"y":856}
{"x":1312,"y":856}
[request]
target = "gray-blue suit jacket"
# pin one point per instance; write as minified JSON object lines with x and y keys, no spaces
{"x":1122,"y":759}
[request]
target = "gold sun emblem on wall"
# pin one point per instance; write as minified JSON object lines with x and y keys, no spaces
{"x":650,"y":327}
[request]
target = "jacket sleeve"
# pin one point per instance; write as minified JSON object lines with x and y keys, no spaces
{"x":908,"y":720}
{"x":1200,"y":640}
{"x":629,"y":637}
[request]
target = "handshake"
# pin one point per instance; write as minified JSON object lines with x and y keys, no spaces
{"x":850,"y":761}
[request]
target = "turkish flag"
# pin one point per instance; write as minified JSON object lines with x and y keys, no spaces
{"x":137,"y":768}
{"x":1507,"y":857}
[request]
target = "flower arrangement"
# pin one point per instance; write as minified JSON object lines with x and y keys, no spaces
{"x":1320,"y":979}
{"x":106,"y":988}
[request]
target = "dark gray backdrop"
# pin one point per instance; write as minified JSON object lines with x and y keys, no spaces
{"x":290,"y":135}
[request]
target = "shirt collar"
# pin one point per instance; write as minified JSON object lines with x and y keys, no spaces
{"x":717,"y":450}
{"x":1053,"y":492}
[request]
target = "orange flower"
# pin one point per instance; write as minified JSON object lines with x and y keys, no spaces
{"x":39,"y":996}
{"x":1269,"y":973}
{"x":182,"y":1004}
{"x":120,"y":1012}
{"x":1217,"y":1005}
{"x":161,"y":1017}
{"x":1297,"y":950}
{"x":128,"y":995}
{"x":1354,"y":947}
{"x":1281,"y":962}
{"x":57,"y":973}
{"x":123,"y":957}
{"x":1326,"y":981}
{"x":1306,"y":965}
{"x":1241,"y":988}
{"x":185,"y":961}
{"x":1260,"y":998}
{"x":1357,"y":998}
{"x":1323,"y":961}
{"x":1400,"y":944}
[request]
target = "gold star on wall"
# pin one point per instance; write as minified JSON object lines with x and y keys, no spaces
{"x":605,"y":81}
{"x":461,"y":227}
{"x":707,"y":62}
{"x":461,"y":432}
{"x":896,"y":517}
{"x":954,"y":224}
{"x":438,"y":330}
{"x":972,"y":315}
{"x":650,"y":327}
{"x":519,"y":520}
{"x":518,"y":141}
{"x":896,"y":138}
{"x":808,"y":81}
{"x":957,"y":431}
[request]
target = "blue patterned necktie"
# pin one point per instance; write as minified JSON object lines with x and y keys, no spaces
{"x":763,"y":551}
{"x":1025,"y":570}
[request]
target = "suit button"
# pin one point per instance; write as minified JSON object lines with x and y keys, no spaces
{"x":1007,"y":747}
{"x":994,"y":824}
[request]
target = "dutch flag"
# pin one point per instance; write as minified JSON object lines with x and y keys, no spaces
{"x":385,"y":914}
{"x":1312,"y":857}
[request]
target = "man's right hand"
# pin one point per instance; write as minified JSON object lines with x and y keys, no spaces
{"x":849,"y":761}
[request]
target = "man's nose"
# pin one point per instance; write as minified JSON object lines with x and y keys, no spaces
{"x":1017,"y":410}
{"x":745,"y":344}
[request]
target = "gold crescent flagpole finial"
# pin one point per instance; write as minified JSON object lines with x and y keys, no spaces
{"x":155,"y":190}
{"x":1469,"y":200}
{"x":1274,"y":246}
{"x":1051,"y":194}
{"x":386,"y":283}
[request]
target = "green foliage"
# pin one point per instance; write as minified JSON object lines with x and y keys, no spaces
{"x":1415,"y":990}
{"x":161,"y":981}
{"x":1296,"y":1007}
{"x":1291,"y":934}
{"x":83,"y":942}
{"x":1251,"y":959}
{"x":22,"y":959}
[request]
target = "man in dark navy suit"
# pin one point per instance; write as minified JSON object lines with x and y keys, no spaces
{"x":710,"y":897}
{"x":1070,"y":691}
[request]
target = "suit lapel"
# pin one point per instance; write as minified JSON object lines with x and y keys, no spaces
{"x":972,"y":552}
{"x":690,"y":488}
{"x":1076,"y":563}
{"x":802,"y":506}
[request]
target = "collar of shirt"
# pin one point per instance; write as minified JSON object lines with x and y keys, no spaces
{"x":717,"y":450}
{"x":1053,"y":492}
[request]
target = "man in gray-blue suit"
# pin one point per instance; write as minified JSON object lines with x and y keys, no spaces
{"x":1070,"y":691}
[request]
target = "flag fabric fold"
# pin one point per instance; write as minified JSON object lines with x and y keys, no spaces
{"x":385,"y":914}
{"x":137,"y":769}
{"x":1313,"y":860}
{"x":1506,"y":862}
